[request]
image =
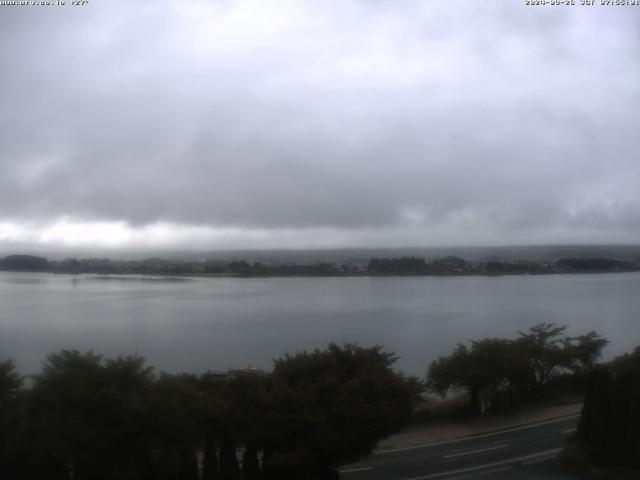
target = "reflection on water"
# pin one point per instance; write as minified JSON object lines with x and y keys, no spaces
{"x":220,"y":323}
{"x":24,"y":280}
{"x":134,"y":278}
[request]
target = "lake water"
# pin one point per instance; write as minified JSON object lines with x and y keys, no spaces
{"x":220,"y":323}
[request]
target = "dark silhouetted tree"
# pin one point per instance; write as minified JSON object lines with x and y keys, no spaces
{"x":229,"y":467}
{"x":188,"y":464}
{"x":210,"y":459}
{"x":24,"y":263}
{"x":610,"y":418}
{"x":525,"y":364}
{"x":330,"y":407}
{"x":91,"y":415}
{"x":250,"y":464}
{"x":484,"y":365}
{"x":10,"y":384}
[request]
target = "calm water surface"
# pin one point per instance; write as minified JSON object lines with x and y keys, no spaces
{"x":219,"y":323}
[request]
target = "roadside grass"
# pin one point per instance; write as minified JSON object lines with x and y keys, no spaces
{"x":456,"y":408}
{"x":435,"y":410}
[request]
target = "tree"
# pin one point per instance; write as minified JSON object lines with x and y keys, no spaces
{"x":330,"y":407}
{"x":584,"y":351}
{"x":90,"y":415}
{"x":24,"y":263}
{"x":545,"y":352}
{"x":596,"y":265}
{"x":250,"y":464}
{"x":174,"y":405}
{"x":233,"y":406}
{"x":210,"y":459}
{"x":525,"y":364}
{"x":10,"y":381}
{"x":241,"y":267}
{"x":229,"y":466}
{"x":610,"y":418}
{"x":187,"y":464}
{"x":398,"y":266}
{"x":485,"y":364}
{"x":97,"y":418}
{"x":10,"y":384}
{"x":543,"y":348}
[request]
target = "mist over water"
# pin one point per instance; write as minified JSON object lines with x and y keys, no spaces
{"x":198,"y":324}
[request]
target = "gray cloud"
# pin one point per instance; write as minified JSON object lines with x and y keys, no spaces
{"x":375,"y":117}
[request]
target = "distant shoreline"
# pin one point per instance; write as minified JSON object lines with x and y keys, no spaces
{"x":187,"y":276}
{"x":451,"y":266}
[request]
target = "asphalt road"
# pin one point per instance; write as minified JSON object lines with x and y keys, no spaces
{"x":521,"y":452}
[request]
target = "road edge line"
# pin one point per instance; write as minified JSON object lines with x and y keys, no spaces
{"x":488,"y":465}
{"x":474,"y":436}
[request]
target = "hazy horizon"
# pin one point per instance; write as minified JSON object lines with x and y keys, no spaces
{"x":357,"y":254}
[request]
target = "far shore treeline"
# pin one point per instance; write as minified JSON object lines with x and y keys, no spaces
{"x":408,"y":266}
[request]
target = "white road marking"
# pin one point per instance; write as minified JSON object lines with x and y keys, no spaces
{"x":489,"y":465}
{"x":473,"y":437}
{"x":571,"y":430}
{"x":471,"y":452}
{"x":495,"y":470}
{"x":361,"y":469}
{"x":534,"y":461}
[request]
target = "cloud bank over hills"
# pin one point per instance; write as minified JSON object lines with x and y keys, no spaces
{"x":264,"y":124}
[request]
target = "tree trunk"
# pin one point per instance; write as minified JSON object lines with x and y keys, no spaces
{"x":474,"y":393}
{"x":250,"y":464}
{"x":210,"y":459}
{"x":229,"y":467}
{"x":188,"y":464}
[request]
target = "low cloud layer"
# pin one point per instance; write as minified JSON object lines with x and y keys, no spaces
{"x":301,"y":123}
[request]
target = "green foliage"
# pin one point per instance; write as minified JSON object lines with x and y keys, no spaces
{"x":332,"y":406}
{"x":598,"y":264}
{"x":92,"y":414}
{"x":450,"y":265}
{"x":237,"y":403}
{"x":10,"y":384}
{"x":485,"y":364}
{"x":521,"y":366}
{"x":10,"y":381}
{"x":495,"y":267}
{"x":24,"y":263}
{"x":244,"y":268}
{"x":398,"y":266}
{"x":610,"y":418}
{"x":108,"y":419}
{"x":174,"y":403}
{"x":546,"y":353}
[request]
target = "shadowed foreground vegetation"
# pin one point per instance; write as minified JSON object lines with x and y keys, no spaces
{"x":499,"y":373}
{"x":609,"y":427}
{"x":606,"y":445}
{"x":88,"y":417}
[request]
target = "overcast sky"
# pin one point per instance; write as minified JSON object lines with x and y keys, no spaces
{"x":334,"y":123}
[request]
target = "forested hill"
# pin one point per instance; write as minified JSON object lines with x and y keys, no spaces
{"x":407,"y":265}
